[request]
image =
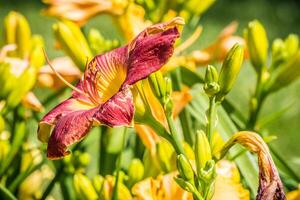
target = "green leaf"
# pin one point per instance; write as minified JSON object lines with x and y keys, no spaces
{"x":6,"y":194}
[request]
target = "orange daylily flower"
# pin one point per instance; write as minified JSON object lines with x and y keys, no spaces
{"x":30,"y":101}
{"x":81,"y":11}
{"x":218,"y":50}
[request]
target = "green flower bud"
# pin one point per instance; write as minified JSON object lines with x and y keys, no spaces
{"x":73,"y":42}
{"x":288,"y":73}
{"x":98,"y":181}
{"x":158,"y":85}
{"x":17,"y":31}
{"x":84,"y":187}
{"x":24,"y":84}
{"x":211,"y":86}
{"x":99,"y":44}
{"x":230,"y":70}
{"x":184,"y":168}
{"x":167,"y":99}
{"x":257,"y":42}
{"x":84,"y":159}
{"x":37,"y":57}
{"x":185,"y":184}
{"x":208,"y":173}
{"x":4,"y":149}
{"x":279,"y":53}
{"x":135,"y":171}
{"x":291,"y":44}
{"x":202,"y":150}
{"x":2,"y":124}
{"x":23,"y":36}
{"x":165,"y":154}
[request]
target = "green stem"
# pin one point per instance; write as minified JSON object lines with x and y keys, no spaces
{"x":178,"y":145}
{"x":115,"y":191}
{"x":6,"y":194}
{"x":211,"y":118}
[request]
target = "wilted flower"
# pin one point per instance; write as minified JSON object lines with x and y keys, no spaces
{"x":103,"y":94}
{"x":270,"y":186}
{"x":81,"y":11}
{"x":219,"y":49}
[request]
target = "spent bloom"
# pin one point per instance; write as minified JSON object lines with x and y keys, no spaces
{"x":103,"y":94}
{"x":270,"y":185}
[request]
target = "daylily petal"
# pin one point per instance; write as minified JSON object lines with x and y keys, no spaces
{"x":118,"y":111}
{"x":69,"y":129}
{"x":105,"y":75}
{"x":149,"y":54}
{"x":50,"y":119}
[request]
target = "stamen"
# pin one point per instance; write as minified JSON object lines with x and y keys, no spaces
{"x":187,"y":43}
{"x":60,"y":77}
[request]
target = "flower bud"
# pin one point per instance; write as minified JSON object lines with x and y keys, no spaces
{"x":211,"y":86}
{"x":279,"y":53}
{"x":17,"y":31}
{"x":185,"y":184}
{"x":208,"y":173}
{"x":202,"y":150}
{"x":184,"y":168}
{"x":135,"y":171}
{"x":165,"y":154}
{"x":37,"y":58}
{"x":291,"y":44}
{"x":230,"y":70}
{"x":98,"y":181}
{"x":257,"y":42}
{"x":25,"y":83}
{"x":158,"y":85}
{"x":99,"y":44}
{"x":84,"y":187}
{"x":288,"y":73}
{"x":73,"y":42}
{"x":2,"y":124}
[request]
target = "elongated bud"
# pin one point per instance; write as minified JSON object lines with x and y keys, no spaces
{"x":167,"y":99}
{"x":165,"y":154}
{"x":211,"y":86}
{"x":17,"y":31}
{"x":10,"y":26}
{"x":270,"y":185}
{"x":99,"y":44}
{"x":73,"y":42}
{"x":2,"y":124}
{"x":184,"y":168}
{"x":202,"y":150}
{"x":279,"y":54}
{"x":288,"y":73}
{"x":291,"y":44}
{"x":98,"y":181}
{"x":158,"y":85}
{"x":208,"y":173}
{"x":187,"y":186}
{"x":257,"y":43}
{"x":24,"y":83}
{"x":135,"y":171}
{"x":230,"y":70}
{"x":37,"y":58}
{"x":84,"y":187}
{"x":23,"y":37}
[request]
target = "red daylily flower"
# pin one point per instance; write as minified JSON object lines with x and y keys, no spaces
{"x":103,"y":94}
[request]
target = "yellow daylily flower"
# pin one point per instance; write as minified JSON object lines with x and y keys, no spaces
{"x":293,"y":195}
{"x":228,"y":186}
